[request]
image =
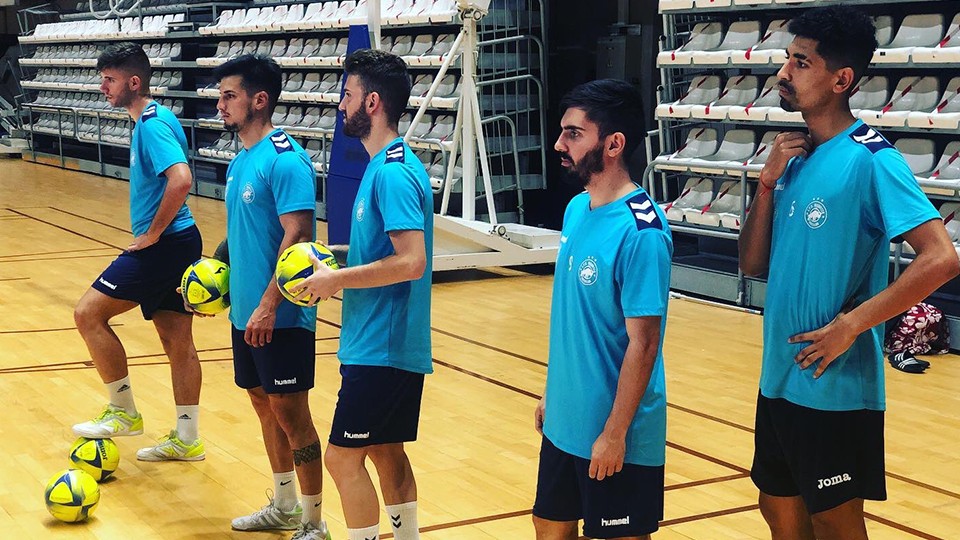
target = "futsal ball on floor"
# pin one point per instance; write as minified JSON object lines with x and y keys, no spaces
{"x":206,"y":286}
{"x":72,"y":495}
{"x":294,"y":266}
{"x":96,"y":457}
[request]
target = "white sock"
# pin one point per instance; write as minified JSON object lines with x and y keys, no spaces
{"x":187,"y":420}
{"x":312,"y":510}
{"x":121,"y":395}
{"x":285,"y":490}
{"x":403,"y":519}
{"x":367,"y":533}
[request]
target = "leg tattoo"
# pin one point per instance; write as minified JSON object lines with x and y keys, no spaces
{"x":306,"y":454}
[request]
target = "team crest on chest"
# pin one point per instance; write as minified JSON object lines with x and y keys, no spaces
{"x":815,"y":214}
{"x":588,"y":272}
{"x":361,"y":209}
{"x":248,"y":194}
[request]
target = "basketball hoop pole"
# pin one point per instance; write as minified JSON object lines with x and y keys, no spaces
{"x":467,"y":131}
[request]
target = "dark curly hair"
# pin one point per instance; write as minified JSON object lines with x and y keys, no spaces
{"x":845,"y":36}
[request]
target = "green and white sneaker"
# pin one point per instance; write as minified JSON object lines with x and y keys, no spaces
{"x":269,"y":518}
{"x":172,"y":448}
{"x":112,"y":422}
{"x":307,"y":531}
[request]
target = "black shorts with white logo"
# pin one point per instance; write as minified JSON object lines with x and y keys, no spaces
{"x":376,"y":405}
{"x":150,"y":276}
{"x":629,"y":503}
{"x":826,"y":457}
{"x":283,"y":366}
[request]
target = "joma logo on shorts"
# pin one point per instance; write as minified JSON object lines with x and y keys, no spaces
{"x":614,"y":522}
{"x":282,"y":382}
{"x":833,"y":480}
{"x":356,"y":435}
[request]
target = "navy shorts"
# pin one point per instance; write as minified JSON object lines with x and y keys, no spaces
{"x":150,"y":276}
{"x":283,"y":366}
{"x":826,"y":457}
{"x":376,"y":405}
{"x":629,"y":503}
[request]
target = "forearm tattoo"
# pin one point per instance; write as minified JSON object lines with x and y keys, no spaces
{"x":306,"y":454}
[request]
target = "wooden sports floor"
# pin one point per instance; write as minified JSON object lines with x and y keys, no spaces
{"x":476,"y":458}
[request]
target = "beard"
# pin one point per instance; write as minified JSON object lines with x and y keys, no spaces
{"x":784,"y":104}
{"x":357,"y":125}
{"x":237,"y":126}
{"x":125,"y":98}
{"x":580,"y":172}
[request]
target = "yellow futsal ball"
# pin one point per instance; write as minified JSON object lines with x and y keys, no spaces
{"x":96,"y":457}
{"x":206,"y":286}
{"x":72,"y":495}
{"x":294,"y":266}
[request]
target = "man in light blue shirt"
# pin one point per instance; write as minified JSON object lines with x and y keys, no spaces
{"x":603,"y":415}
{"x":385,"y":338}
{"x":271,"y":203}
{"x":166,"y":241}
{"x":828,"y":204}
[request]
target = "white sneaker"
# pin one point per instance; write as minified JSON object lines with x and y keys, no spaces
{"x":112,"y":422}
{"x":172,"y":448}
{"x":269,"y":518}
{"x":307,"y":531}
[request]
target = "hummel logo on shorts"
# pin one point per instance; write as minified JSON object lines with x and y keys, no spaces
{"x":614,"y":522}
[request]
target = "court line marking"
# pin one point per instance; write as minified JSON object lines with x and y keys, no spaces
{"x":900,"y":526}
{"x":49,"y":253}
{"x":14,"y":279}
{"x":59,"y":258}
{"x":41,"y":330}
{"x":101,"y":242}
{"x":125,"y":231}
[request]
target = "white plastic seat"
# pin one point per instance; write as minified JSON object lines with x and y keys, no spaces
{"x":278,"y":49}
{"x":311,"y":115}
{"x":946,"y":51}
{"x":870,"y":93}
{"x":918,"y":154}
{"x":250,"y":22}
{"x":696,"y":193}
{"x":391,"y":11}
{"x":293,"y":17}
{"x":402,"y":45}
{"x":305,"y":22}
{"x":418,"y":14}
{"x":310,"y":48}
{"x":739,"y":37}
{"x":443,"y":11}
{"x":771,"y":48}
{"x":338,"y":19}
{"x":420,"y":47}
{"x":279,"y":115}
{"x":946,"y":113}
{"x":912,"y":94}
{"x":702,"y":90}
{"x":700,"y":142}
{"x":441,"y":47}
{"x":723,"y":211}
{"x":915,"y":31}
{"x":944,"y":179}
{"x":328,"y":120}
{"x":704,"y":36}
{"x":903,"y":90}
{"x":737,"y":146}
{"x":263,"y":47}
{"x":273,"y":22}
{"x":673,"y":5}
{"x":756,"y":110}
{"x":358,"y":15}
{"x":707,"y":4}
{"x":739,"y":92}
{"x":884,"y":30}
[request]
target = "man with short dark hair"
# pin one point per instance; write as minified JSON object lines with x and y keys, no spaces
{"x":271,"y":201}
{"x":828,"y":203}
{"x":603,"y":414}
{"x":166,"y":241}
{"x":385,"y":338}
